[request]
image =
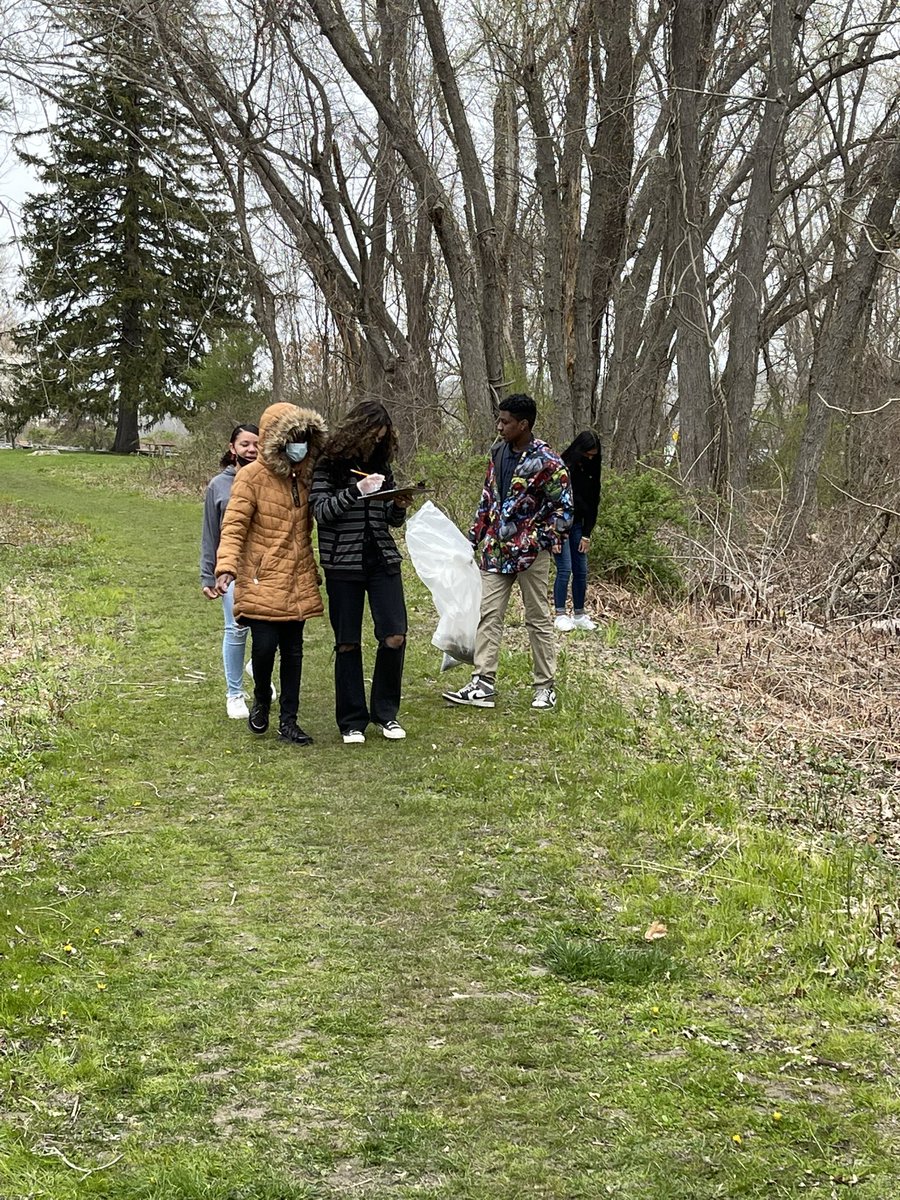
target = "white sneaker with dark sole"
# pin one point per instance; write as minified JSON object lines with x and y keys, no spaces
{"x":353,"y":737}
{"x":544,"y":698}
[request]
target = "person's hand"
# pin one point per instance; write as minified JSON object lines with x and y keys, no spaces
{"x":223,"y":583}
{"x":369,"y":484}
{"x":211,"y":593}
{"x":584,"y":545}
{"x":404,"y":500}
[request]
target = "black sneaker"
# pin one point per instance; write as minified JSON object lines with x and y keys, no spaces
{"x":290,"y":731}
{"x":259,"y":717}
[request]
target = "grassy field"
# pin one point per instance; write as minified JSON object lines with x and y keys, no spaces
{"x":238,"y":970}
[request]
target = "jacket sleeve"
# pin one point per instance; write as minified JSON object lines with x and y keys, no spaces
{"x":393,"y":513}
{"x":209,"y":538}
{"x":560,"y":501}
{"x":328,"y":502}
{"x":479,"y":526}
{"x":591,"y":505}
{"x":238,"y":515}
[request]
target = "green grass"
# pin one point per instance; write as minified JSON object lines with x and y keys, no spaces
{"x":237,"y":970}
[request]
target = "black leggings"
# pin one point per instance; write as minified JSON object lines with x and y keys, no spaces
{"x":267,"y":637}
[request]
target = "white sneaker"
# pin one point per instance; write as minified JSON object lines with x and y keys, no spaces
{"x":249,"y":669}
{"x":544,"y":698}
{"x":236,"y":707}
{"x":394,"y":731}
{"x":583,"y":622}
{"x":353,"y":737}
{"x":564,"y":623}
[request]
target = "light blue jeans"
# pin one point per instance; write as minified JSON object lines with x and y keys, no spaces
{"x":234,"y":643}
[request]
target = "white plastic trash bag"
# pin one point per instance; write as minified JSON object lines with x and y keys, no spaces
{"x":445,"y":562}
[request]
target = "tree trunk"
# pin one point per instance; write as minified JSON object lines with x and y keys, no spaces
{"x":691,"y":25}
{"x":492,"y":289}
{"x":839,"y":342}
{"x":130,"y":369}
{"x":506,"y":210}
{"x":552,"y":297}
{"x":740,"y":374}
{"x":610,"y":162}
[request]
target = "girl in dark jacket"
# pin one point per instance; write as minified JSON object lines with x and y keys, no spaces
{"x":359,"y":558}
{"x":583,"y":460}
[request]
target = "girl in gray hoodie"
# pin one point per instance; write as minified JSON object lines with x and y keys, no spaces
{"x":241,"y":450}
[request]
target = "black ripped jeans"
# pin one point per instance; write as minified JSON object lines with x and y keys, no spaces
{"x":346,"y":601}
{"x":266,"y":638}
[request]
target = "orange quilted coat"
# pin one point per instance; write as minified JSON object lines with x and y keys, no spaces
{"x":265,"y":542}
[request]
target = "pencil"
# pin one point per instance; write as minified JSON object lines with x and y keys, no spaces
{"x":364,"y":474}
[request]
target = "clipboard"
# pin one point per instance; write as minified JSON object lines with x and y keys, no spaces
{"x":414,"y":489}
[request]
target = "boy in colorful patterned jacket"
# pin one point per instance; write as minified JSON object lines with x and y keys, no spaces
{"x":526,"y":508}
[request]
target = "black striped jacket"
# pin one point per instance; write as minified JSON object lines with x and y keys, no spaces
{"x":342,"y":516}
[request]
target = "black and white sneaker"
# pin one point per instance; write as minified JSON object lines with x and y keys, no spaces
{"x":393,"y":731}
{"x":259,"y":717}
{"x":478,"y":693}
{"x":290,"y":731}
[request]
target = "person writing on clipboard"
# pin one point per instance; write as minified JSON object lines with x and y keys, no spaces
{"x":356,"y":505}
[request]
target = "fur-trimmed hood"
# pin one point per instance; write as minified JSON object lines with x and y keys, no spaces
{"x":265,"y":542}
{"x":276,"y":423}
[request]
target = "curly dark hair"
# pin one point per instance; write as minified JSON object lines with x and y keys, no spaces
{"x":520,"y":406}
{"x":355,"y":440}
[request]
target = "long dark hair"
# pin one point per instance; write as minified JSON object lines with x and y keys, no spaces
{"x":355,"y":439}
{"x":575,"y":454}
{"x":228,"y":459}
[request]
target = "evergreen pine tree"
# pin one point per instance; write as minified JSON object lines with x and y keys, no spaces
{"x":129,"y":259}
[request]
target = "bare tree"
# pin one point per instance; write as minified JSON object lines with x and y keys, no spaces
{"x":655,"y":212}
{"x":739,"y":380}
{"x":840,"y":338}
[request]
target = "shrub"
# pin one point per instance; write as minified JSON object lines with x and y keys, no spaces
{"x":455,"y":477}
{"x":626,"y":544}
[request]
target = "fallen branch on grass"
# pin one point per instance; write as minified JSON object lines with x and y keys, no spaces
{"x":84,"y":1172}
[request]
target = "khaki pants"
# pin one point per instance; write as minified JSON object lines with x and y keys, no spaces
{"x":496,"y":590}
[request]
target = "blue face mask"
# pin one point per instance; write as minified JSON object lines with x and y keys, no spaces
{"x":296,"y":451}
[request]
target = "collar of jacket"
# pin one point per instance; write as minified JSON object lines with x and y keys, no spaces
{"x":536,"y":444}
